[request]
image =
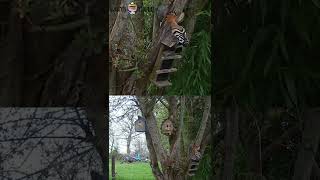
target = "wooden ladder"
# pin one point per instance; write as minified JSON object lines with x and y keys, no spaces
{"x":193,"y":167}
{"x":164,"y":65}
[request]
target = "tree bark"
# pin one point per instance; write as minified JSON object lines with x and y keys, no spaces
{"x":194,"y":7}
{"x":128,"y":82}
{"x":96,"y":109}
{"x":49,"y":78}
{"x":174,"y":163}
{"x":97,"y":87}
{"x":173,"y":115}
{"x":231,"y":137}
{"x":204,"y":121}
{"x":309,"y":146}
{"x":12,"y":65}
{"x":128,"y":144}
{"x":315,"y":171}
{"x":153,"y":158}
{"x":152,"y":128}
{"x":125,"y":44}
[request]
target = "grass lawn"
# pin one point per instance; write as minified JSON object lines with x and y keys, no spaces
{"x":132,"y":171}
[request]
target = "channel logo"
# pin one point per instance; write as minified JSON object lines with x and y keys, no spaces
{"x":132,"y":8}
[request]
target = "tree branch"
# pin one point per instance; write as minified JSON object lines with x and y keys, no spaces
{"x":62,"y":27}
{"x":53,"y":163}
{"x":204,"y":121}
{"x":152,"y":128}
{"x":45,"y":137}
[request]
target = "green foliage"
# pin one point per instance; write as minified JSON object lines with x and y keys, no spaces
{"x":148,"y":20}
{"x":193,"y":117}
{"x":194,"y":73}
{"x":205,"y":166}
{"x":152,"y":89}
{"x":266,"y":54}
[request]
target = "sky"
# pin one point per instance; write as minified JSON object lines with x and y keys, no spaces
{"x":116,"y":127}
{"x":33,"y":159}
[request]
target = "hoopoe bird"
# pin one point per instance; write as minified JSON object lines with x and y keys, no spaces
{"x":178,"y":31}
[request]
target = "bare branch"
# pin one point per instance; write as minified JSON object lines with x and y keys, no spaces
{"x":43,"y":137}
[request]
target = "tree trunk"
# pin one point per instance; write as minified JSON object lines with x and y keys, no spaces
{"x":315,"y":171}
{"x":96,"y":87}
{"x":231,"y":137}
{"x":309,"y":146}
{"x":12,"y":64}
{"x":128,"y":144}
{"x":126,"y":42}
{"x":126,"y":81}
{"x":113,"y":166}
{"x":153,"y":158}
{"x":46,"y":66}
{"x":194,"y":7}
{"x":95,"y":97}
{"x":174,"y":163}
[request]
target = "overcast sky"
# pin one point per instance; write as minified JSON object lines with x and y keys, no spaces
{"x":35,"y":158}
{"x":115,"y":126}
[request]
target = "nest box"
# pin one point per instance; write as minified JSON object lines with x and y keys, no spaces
{"x":167,"y":127}
{"x":140,"y":124}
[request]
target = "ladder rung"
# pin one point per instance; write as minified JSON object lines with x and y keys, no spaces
{"x":194,"y":163}
{"x":168,"y":53}
{"x":162,"y":83}
{"x":176,"y":56}
{"x":161,"y":71}
{"x":194,"y":159}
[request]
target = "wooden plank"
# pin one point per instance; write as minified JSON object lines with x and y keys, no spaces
{"x":194,"y":169}
{"x":157,"y":64}
{"x":161,"y":84}
{"x":161,"y":71}
{"x":176,"y":56}
{"x":194,"y":163}
{"x":167,"y":38}
{"x":192,"y":172}
{"x":168,"y":52}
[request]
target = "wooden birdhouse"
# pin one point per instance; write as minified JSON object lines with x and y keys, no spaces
{"x":167,"y":127}
{"x":140,"y":124}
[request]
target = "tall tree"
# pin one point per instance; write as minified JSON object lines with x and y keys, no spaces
{"x":135,"y":41}
{"x":53,"y":52}
{"x":45,"y":143}
{"x":264,"y":65}
{"x":175,"y":163}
